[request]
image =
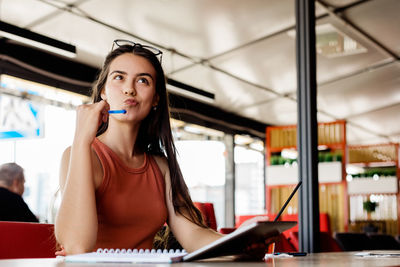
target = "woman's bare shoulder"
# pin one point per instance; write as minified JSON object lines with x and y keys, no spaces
{"x":67,"y":153}
{"x":96,"y":165}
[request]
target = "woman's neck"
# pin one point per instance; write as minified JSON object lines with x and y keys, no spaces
{"x":121,"y":138}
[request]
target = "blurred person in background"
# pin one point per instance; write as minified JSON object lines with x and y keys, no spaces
{"x":12,"y":205}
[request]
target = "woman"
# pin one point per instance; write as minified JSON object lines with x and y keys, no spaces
{"x":120,"y":180}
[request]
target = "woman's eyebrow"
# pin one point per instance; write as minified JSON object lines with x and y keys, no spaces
{"x":117,"y":71}
{"x":145,"y":74}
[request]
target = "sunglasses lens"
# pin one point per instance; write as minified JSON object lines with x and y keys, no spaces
{"x":124,"y":42}
{"x":154,"y":50}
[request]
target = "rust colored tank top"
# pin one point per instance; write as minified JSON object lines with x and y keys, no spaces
{"x":130,"y":202}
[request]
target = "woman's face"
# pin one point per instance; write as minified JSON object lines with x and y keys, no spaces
{"x":131,"y":85}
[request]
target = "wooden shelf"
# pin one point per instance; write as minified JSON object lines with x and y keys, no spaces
{"x":375,"y":164}
{"x":328,"y":172}
{"x":279,"y":179}
{"x":385,"y":185}
{"x":379,"y":156}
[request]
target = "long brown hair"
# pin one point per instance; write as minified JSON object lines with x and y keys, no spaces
{"x":155,"y":135}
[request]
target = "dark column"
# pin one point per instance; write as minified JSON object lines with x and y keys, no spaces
{"x":307,"y":135}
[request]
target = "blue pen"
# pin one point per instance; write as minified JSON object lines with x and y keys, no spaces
{"x":118,"y":111}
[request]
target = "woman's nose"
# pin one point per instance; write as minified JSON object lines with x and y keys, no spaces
{"x":129,"y":90}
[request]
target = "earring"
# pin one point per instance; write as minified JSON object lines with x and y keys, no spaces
{"x":154,"y":108}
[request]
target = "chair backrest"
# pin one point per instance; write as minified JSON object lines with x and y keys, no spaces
{"x":26,"y":240}
{"x":324,"y":222}
{"x":207,"y":210}
{"x":327,"y":242}
{"x":383,"y":241}
{"x":354,"y":241}
{"x":239,"y":219}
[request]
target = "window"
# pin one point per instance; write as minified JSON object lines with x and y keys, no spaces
{"x":201,"y":156}
{"x":38,"y":151}
{"x":249,"y":168}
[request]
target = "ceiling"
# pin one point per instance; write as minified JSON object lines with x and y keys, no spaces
{"x":243,"y":52}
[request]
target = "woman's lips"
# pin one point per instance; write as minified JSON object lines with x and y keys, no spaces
{"x":130,"y":102}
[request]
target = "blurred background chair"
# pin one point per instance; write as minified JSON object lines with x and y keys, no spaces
{"x":354,"y":241}
{"x":383,"y":241}
{"x":327,"y":242}
{"x":324,"y":222}
{"x":26,"y":240}
{"x":397,"y":237}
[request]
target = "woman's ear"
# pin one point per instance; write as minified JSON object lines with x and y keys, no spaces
{"x":156,"y":99}
{"x":103,"y":95}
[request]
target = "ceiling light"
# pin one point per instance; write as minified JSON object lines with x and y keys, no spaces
{"x":36,"y":40}
{"x":331,"y":42}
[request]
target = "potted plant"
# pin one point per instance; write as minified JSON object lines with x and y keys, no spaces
{"x":369,"y":207}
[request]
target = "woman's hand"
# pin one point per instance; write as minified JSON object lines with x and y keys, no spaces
{"x":60,"y":252}
{"x":88,"y":119}
{"x":255,"y":251}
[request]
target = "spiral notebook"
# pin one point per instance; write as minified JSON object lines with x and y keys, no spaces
{"x":129,"y":256}
{"x":230,"y":244}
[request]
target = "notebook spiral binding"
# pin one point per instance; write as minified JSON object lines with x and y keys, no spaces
{"x":138,"y":251}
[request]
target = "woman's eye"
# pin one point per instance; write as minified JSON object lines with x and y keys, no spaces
{"x":143,"y":80}
{"x":118,"y":77}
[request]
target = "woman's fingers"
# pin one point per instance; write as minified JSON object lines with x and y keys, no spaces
{"x":256,"y":250}
{"x":61,"y":252}
{"x":104,"y":108}
{"x":89,"y":117}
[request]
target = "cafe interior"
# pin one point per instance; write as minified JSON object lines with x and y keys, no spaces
{"x":232,"y":76}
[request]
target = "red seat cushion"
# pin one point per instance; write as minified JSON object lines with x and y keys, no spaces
{"x":26,"y":240}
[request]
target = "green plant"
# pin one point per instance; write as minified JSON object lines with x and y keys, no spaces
{"x":369,"y":206}
{"x":274,"y":160}
{"x":328,"y":157}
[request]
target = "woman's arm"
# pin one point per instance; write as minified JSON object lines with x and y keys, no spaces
{"x":189,"y":235}
{"x":76,"y":222}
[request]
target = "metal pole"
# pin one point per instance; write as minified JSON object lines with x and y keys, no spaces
{"x":307,"y":135}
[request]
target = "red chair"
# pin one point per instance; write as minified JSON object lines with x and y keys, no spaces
{"x":226,"y":230}
{"x":26,"y":240}
{"x":239,"y":219}
{"x":324,"y":225}
{"x":207,"y":210}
